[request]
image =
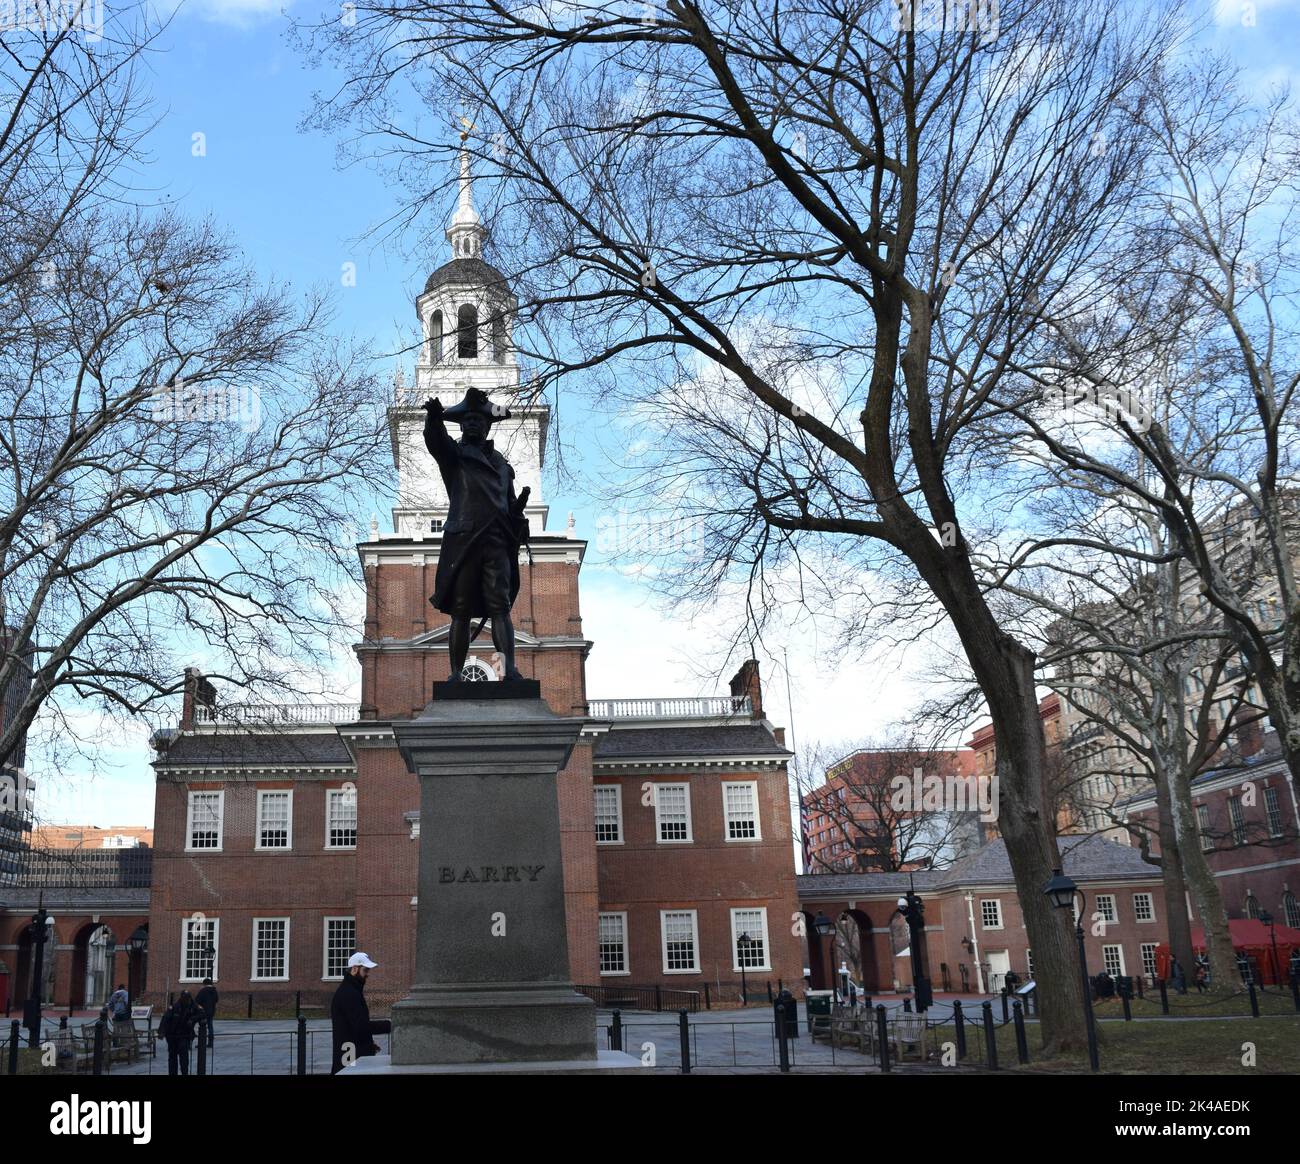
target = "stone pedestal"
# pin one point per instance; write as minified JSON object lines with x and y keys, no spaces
{"x":492,"y":981}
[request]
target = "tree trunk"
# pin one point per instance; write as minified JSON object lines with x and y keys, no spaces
{"x":1177,"y":923}
{"x":1204,"y":886}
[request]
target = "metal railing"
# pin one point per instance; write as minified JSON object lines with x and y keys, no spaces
{"x":278,"y":713}
{"x":695,"y":707}
{"x":656,"y":998}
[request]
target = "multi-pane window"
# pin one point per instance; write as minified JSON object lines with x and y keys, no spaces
{"x":752,"y":925}
{"x":672,"y":812}
{"x":1148,"y":950}
{"x":681,"y":941}
{"x":274,"y":819}
{"x":1106,"y":908}
{"x":1291,"y":907}
{"x":1252,"y":905}
{"x":203,"y":830}
{"x":991,"y":914}
{"x":1144,"y":907}
{"x":1237,"y":818}
{"x":270,"y":948}
{"x":340,"y":944}
{"x":341,"y":818}
{"x":609,"y":814}
{"x":1112,"y":958}
{"x":1029,"y":965}
{"x":612,"y":938}
{"x":1203,"y":825}
{"x":199,"y":940}
{"x":1273,"y":810}
{"x":740,"y":806}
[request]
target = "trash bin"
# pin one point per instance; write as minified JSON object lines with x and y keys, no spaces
{"x":818,"y":1003}
{"x":786,"y":999}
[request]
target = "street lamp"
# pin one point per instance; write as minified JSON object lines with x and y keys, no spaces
{"x":912,"y":911}
{"x":137,"y":943}
{"x":745,"y":942}
{"x":826,"y":928}
{"x":1062,"y":891}
{"x":1268,"y":919}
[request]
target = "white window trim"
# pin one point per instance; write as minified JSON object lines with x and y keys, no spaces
{"x":1155,"y":946}
{"x":325,"y":943}
{"x":1151,"y":898}
{"x":695,"y":939}
{"x":1113,"y":918}
{"x":220,"y":794}
{"x":329,"y":794}
{"x":252,"y":970}
{"x":216,"y":943}
{"x":1113,"y":946}
{"x":735,"y":948}
{"x":998,"y":902}
{"x":627,"y":962}
{"x":258,"y":847}
{"x":726,"y":820}
{"x":618,"y":805}
{"x":689,"y":838}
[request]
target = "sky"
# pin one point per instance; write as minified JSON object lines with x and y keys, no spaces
{"x":230,"y":95}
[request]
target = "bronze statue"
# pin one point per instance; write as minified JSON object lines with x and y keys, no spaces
{"x":478,"y":567}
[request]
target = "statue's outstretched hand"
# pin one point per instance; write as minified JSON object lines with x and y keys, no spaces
{"x":434,"y":406}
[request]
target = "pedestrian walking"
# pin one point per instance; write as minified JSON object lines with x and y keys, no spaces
{"x":206,"y":1000}
{"x":177,"y":1028}
{"x":353,"y":1030}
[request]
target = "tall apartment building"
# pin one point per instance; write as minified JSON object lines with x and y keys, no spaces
{"x":17,"y":789}
{"x":287,"y":837}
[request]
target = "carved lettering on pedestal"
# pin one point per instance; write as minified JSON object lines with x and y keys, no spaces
{"x":447,"y":875}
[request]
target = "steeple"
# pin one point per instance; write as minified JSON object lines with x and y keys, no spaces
{"x":466,"y":232}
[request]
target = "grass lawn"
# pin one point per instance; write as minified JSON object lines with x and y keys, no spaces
{"x":1163,"y":1047}
{"x":1193,"y":1004}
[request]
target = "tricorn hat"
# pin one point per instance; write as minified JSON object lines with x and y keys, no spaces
{"x":476,"y":400}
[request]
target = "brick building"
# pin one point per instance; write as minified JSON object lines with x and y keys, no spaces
{"x":287,"y":837}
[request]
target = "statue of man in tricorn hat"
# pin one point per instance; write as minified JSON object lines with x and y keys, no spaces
{"x":478,"y":567}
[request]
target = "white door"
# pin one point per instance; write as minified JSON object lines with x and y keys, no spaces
{"x":999,"y":964}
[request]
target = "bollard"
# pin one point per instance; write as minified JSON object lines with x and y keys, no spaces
{"x":882,"y":1037}
{"x":1139,"y":982}
{"x":1128,"y":1009}
{"x":1295,"y":990}
{"x":684,"y":1028}
{"x":250,"y":1006}
{"x":990,"y":1038}
{"x":708,"y":1002}
{"x":1022,"y":1044}
{"x":98,"y":1067}
{"x":782,"y":1038}
{"x":959,"y":1021}
{"x":14,"y":1028}
{"x":201,"y":1067}
{"x":659,"y":998}
{"x":1164,"y":997}
{"x":302,"y":1044}
{"x":769,"y":993}
{"x":616,"y":1032}
{"x":297,"y":1003}
{"x":1254,"y":999}
{"x":866,"y":1002}
{"x":63,"y":1022}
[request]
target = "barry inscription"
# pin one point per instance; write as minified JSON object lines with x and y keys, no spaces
{"x":448,"y":875}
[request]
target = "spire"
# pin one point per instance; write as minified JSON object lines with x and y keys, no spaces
{"x":466,"y":232}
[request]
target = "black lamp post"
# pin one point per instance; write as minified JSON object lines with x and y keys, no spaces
{"x":137,"y":943}
{"x":32,"y":1007}
{"x":744,"y":942}
{"x":912,"y":911}
{"x":1062,"y":890}
{"x":1268,"y":919}
{"x":210,"y":953}
{"x":826,"y":928}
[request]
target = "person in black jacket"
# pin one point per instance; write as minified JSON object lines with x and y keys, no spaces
{"x":177,"y":1027}
{"x":206,"y":1001}
{"x":350,"y":1016}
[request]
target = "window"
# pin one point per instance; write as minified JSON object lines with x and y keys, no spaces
{"x":341,"y":818}
{"x":609,"y":814}
{"x":672,"y":812}
{"x":274,"y":819}
{"x":467,"y":332}
{"x":271,"y":949}
{"x":1291,"y":908}
{"x":435,"y":337}
{"x":1144,"y":907}
{"x":740,"y":807}
{"x":1237,"y":819}
{"x":1029,"y":965}
{"x":1106,"y":908}
{"x":499,"y":338}
{"x":199,"y":947}
{"x":751,"y":923}
{"x":612,"y":938}
{"x":340,"y":945}
{"x":1112,"y":958}
{"x":1273,"y":810}
{"x":1252,"y":905}
{"x":1148,"y":950}
{"x":991,"y":914}
{"x":681,"y":941}
{"x":1203,"y":826}
{"x":204,"y":828}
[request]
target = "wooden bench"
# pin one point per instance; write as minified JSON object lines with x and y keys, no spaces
{"x":854,"y":1029}
{"x":909,"y":1033}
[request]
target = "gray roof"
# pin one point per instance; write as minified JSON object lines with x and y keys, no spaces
{"x":474,"y":271}
{"x":746,"y":739}
{"x":257,"y":749}
{"x":76,"y":898}
{"x":1086,"y":858}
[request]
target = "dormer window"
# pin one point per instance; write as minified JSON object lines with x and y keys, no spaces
{"x":467,"y":332}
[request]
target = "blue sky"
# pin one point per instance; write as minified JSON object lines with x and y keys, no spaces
{"x":224,"y":70}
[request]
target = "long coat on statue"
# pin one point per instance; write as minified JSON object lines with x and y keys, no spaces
{"x":480,"y":495}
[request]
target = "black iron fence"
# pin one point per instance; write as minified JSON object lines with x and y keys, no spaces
{"x":656,"y":998}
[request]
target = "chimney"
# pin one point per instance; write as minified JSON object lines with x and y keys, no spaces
{"x":779,"y":734}
{"x":199,"y":692}
{"x":746,"y":682}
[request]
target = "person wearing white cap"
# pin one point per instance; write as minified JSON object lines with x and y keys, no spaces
{"x":350,"y":1016}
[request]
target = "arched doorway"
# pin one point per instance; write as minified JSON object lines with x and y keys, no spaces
{"x":94,"y":958}
{"x":22,"y":981}
{"x":821,"y":953}
{"x":865,"y":944}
